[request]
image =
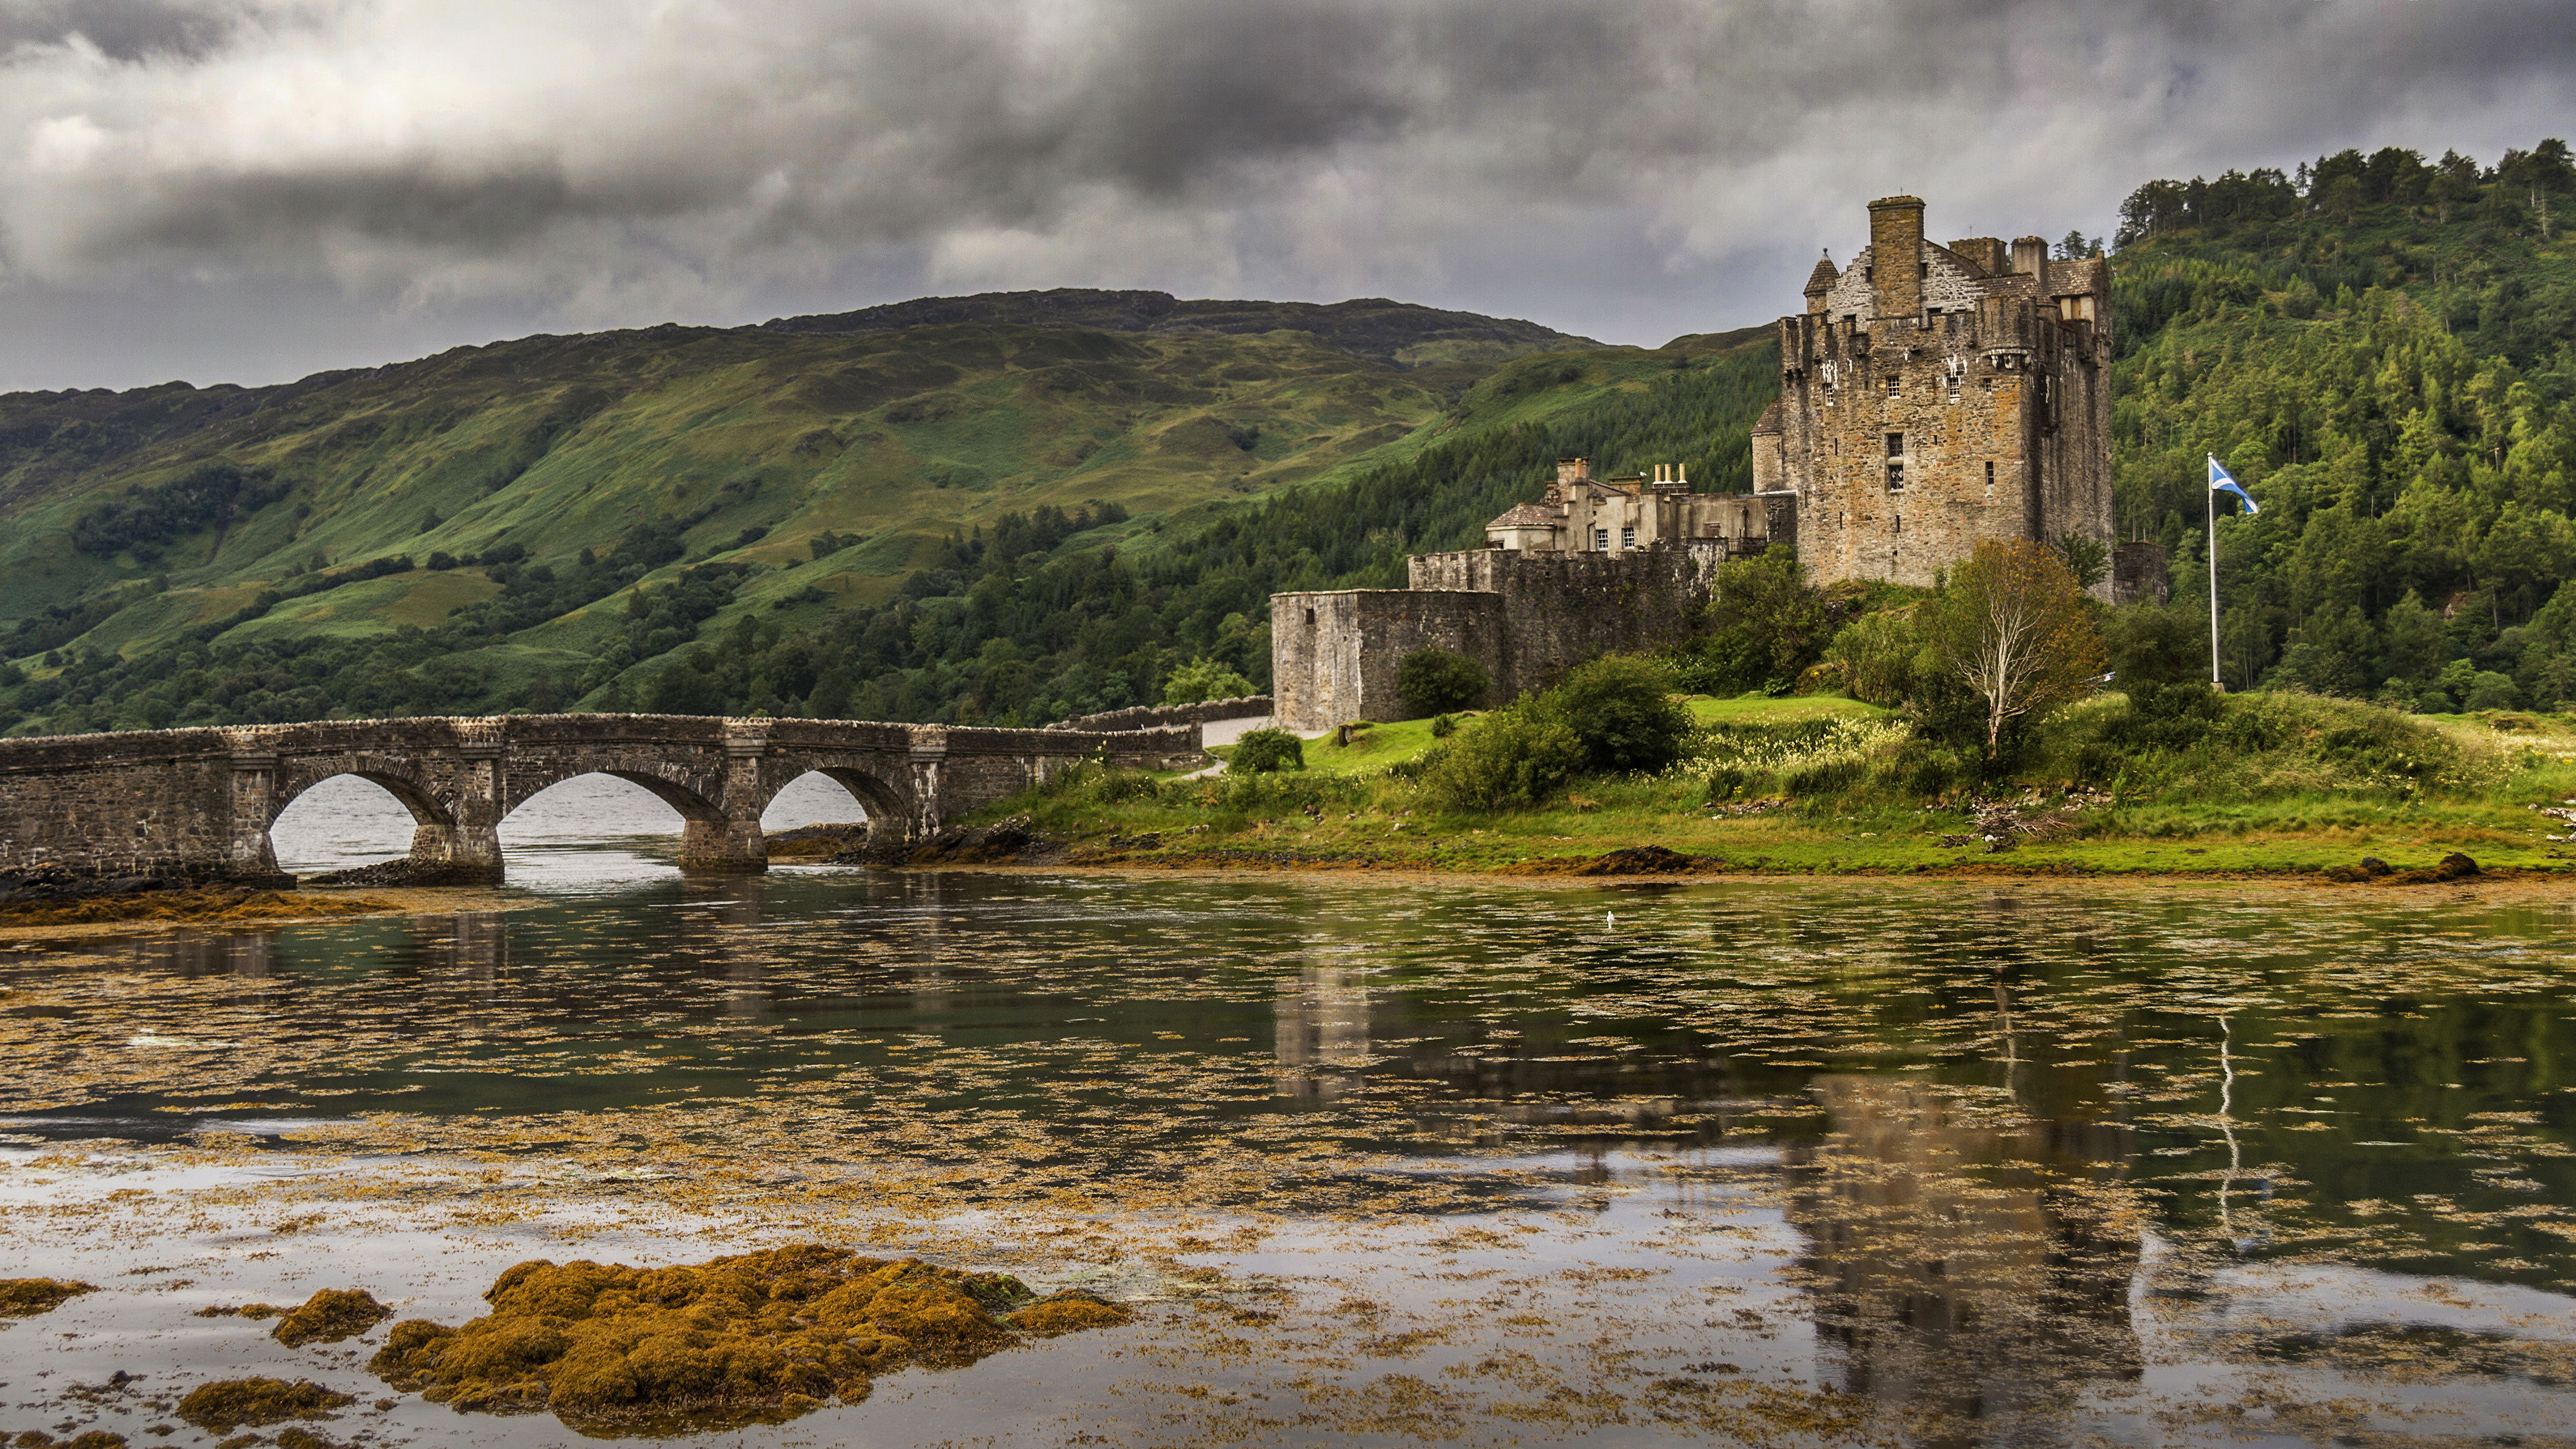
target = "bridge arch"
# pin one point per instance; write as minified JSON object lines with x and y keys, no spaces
{"x":354,"y":827}
{"x":887,"y":805}
{"x":408,"y":789}
{"x":674,"y":788}
{"x":198,"y":802}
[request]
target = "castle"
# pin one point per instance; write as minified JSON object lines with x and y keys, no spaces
{"x":1935,"y":397}
{"x":1931,"y":398}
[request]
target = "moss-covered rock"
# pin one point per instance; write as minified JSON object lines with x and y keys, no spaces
{"x":755,"y":1337}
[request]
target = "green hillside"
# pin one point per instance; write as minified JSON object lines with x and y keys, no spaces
{"x":507,"y":496}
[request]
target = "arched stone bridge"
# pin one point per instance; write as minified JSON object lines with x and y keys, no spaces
{"x":199,"y":802}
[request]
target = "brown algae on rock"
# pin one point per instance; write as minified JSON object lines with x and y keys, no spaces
{"x":328,"y":1317}
{"x":1068,"y":1311}
{"x":27,"y":1297}
{"x":224,"y":1405}
{"x":755,"y":1337}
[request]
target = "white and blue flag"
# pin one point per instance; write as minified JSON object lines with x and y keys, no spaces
{"x":2220,"y":480}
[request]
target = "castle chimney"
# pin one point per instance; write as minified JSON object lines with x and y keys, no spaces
{"x":2030,"y":259}
{"x":1896,"y":255}
{"x":1570,"y":471}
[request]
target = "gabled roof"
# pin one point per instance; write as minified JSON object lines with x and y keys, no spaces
{"x":1530,"y":515}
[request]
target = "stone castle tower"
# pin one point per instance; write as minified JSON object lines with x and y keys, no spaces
{"x":1933,"y":397}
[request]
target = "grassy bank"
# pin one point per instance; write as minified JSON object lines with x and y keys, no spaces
{"x":2276,"y":782}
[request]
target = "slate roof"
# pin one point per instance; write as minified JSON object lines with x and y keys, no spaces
{"x":1530,"y":515}
{"x":1824,"y":276}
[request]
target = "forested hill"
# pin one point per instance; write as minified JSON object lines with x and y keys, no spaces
{"x":2383,"y":349}
{"x":478,"y":530}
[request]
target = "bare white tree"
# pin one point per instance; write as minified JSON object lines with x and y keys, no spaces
{"x":2014,"y":627}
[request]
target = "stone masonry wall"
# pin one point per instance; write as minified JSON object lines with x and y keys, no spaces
{"x":198,"y":803}
{"x":1526,"y":617}
{"x":1560,"y":609}
{"x":1334,"y":655}
{"x":2139,"y":573}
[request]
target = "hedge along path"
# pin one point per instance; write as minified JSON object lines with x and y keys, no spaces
{"x":753,"y":1338}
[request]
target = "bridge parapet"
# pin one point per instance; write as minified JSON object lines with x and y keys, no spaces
{"x":198,"y":803}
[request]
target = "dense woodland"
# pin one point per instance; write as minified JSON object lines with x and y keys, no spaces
{"x":2382,"y":348}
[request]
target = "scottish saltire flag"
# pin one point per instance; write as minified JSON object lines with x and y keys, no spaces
{"x":2219,"y":479}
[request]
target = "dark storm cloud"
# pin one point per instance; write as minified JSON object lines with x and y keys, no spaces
{"x":122,"y":29}
{"x":616,"y":161}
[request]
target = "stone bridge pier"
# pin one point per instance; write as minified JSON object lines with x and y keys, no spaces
{"x":199,"y":803}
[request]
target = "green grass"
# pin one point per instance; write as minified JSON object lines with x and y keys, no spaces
{"x":1345,"y":809}
{"x":1762,"y":709}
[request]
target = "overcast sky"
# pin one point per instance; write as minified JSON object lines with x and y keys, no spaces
{"x":251,"y":190}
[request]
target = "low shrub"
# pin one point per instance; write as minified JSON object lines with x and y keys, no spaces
{"x":1512,"y":758}
{"x":1621,"y":710}
{"x":1265,"y":751}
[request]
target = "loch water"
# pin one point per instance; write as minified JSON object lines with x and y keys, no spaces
{"x":1942,"y":1162}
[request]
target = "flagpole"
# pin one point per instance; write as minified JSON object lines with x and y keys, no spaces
{"x":2209,"y":503}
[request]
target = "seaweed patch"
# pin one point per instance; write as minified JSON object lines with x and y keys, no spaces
{"x":27,"y":1297}
{"x":224,"y":1405}
{"x":752,"y":1338}
{"x":328,"y":1317}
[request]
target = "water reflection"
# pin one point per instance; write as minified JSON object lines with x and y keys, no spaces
{"x":1968,"y":1264}
{"x":471,"y":944}
{"x":188,"y":955}
{"x":1323,"y":1033}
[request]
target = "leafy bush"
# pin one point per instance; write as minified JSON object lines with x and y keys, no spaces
{"x":2490,"y":690}
{"x":2166,"y":716}
{"x":1878,"y":656}
{"x":2156,"y":643}
{"x":1264,"y":751}
{"x":1203,"y":679}
{"x":1443,"y":726}
{"x":1620,"y":708}
{"x":1513,"y":757}
{"x":1764,"y":627}
{"x":1436,"y":681}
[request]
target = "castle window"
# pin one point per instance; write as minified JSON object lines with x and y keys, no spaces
{"x":1896,"y":462}
{"x":1601,"y":539}
{"x":1627,"y":538}
{"x":1892,"y":381}
{"x":1990,"y":478}
{"x":1310,"y":618}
